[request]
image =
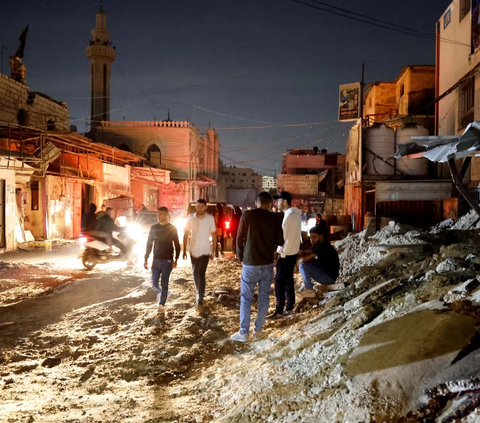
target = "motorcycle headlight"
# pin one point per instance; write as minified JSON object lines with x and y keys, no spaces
{"x":180,"y":223}
{"x":133,"y":229}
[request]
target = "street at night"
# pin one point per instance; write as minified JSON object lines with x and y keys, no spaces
{"x":240,"y":211}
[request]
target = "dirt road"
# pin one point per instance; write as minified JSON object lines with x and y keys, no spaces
{"x":87,"y":346}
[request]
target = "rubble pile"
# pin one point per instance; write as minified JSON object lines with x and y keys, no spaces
{"x":399,"y":343}
{"x":397,"y":340}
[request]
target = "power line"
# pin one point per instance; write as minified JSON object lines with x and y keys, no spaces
{"x":373,"y":21}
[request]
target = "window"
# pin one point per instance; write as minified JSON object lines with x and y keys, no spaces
{"x":241,"y":180}
{"x":464,"y":8}
{"x":447,"y":19}
{"x":51,"y":125}
{"x":402,"y":90}
{"x":466,"y":103}
{"x":154,"y":155}
{"x":244,"y":174}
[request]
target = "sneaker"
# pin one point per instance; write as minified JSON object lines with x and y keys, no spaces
{"x":258,"y":336}
{"x":308,"y":293}
{"x":275,"y":315}
{"x":239,"y":337}
{"x":199,"y":308}
{"x":287,"y":312}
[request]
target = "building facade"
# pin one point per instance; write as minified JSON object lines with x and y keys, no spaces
{"x":269,"y":183}
{"x":191,"y":157}
{"x":315,"y":179}
{"x":458,"y":78}
{"x":407,"y":99}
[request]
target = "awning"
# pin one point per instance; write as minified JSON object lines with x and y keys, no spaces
{"x":204,"y":181}
{"x":23,"y":172}
{"x":447,"y":149}
{"x":442,"y":148}
{"x":150,"y":175}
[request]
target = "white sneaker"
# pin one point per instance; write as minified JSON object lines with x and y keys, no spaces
{"x":258,"y":336}
{"x":308,"y":293}
{"x":239,"y":337}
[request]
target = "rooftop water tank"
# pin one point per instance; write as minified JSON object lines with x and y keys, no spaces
{"x":379,"y":143}
{"x":411,"y":167}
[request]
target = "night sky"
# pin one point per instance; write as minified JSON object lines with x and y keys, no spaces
{"x":233,"y":64}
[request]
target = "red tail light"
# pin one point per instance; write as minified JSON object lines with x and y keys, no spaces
{"x":227,"y":224}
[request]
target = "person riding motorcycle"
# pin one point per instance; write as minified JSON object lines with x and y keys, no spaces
{"x":89,"y":219}
{"x":107,"y":225}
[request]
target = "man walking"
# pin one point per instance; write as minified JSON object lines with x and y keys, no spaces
{"x":202,"y":227}
{"x":163,"y":238}
{"x":288,"y":253}
{"x":258,"y":235}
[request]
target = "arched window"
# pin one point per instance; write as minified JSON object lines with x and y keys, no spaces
{"x":154,"y":155}
{"x":51,"y":125}
{"x":125,"y":147}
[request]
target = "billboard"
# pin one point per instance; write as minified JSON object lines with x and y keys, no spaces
{"x":475,"y":25}
{"x":298,"y":184}
{"x":349,"y":102}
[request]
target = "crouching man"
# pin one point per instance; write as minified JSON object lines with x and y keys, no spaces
{"x":320,"y":264}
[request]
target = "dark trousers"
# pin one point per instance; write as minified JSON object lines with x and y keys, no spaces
{"x":161,"y":269}
{"x":221,"y":242}
{"x":284,"y":283}
{"x":199,"y":267}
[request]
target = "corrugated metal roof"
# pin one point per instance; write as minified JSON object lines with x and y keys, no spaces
{"x":442,"y":148}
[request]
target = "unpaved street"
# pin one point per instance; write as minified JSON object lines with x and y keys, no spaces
{"x":87,"y":346}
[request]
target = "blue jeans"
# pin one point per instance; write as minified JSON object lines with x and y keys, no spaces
{"x":251,"y":276}
{"x":310,"y":271}
{"x":161,"y":268}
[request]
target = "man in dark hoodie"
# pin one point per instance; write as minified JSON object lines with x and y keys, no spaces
{"x":258,"y":235}
{"x":163,"y":238}
{"x":107,"y":225}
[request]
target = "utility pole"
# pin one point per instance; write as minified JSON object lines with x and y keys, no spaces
{"x":4,"y":47}
{"x":362,"y":84}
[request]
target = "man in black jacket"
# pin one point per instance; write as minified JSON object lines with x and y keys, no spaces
{"x":260,"y":232}
{"x":163,"y":238}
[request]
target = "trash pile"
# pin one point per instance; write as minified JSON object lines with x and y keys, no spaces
{"x":400,"y":343}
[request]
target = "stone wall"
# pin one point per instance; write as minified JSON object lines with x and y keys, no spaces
{"x":39,"y":110}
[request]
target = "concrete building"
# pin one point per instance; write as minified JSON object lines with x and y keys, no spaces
{"x":242,"y":177}
{"x":269,"y":183}
{"x":315,"y":178}
{"x":458,"y":79}
{"x":20,"y":106}
{"x":242,"y":184}
{"x":405,"y":100}
{"x":192,"y":158}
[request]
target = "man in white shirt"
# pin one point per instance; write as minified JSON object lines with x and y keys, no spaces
{"x":288,"y":253}
{"x":201,"y":226}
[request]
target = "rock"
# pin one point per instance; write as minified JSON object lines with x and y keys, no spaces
{"x":51,"y":362}
{"x":87,"y":375}
{"x":461,"y":291}
{"x":371,"y":295}
{"x":209,"y":336}
{"x":452,"y":264}
{"x":222,"y":299}
{"x":198,"y":419}
{"x":26,"y":368}
{"x":9,"y":381}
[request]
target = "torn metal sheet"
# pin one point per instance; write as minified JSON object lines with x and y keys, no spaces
{"x":442,"y":148}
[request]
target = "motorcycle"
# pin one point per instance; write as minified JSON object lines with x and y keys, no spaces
{"x":94,"y":251}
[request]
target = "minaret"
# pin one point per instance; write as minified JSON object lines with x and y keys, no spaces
{"x":101,"y":55}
